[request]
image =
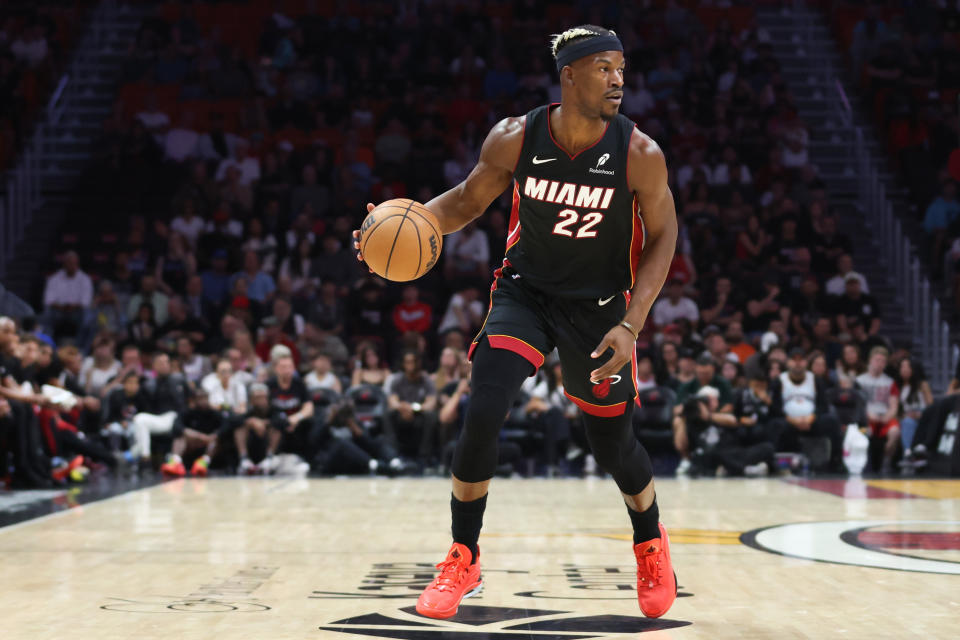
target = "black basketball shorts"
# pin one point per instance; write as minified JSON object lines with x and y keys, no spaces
{"x":531,"y":323}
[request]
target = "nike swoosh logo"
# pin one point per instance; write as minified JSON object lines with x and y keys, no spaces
{"x":603,"y":302}
{"x":536,"y":161}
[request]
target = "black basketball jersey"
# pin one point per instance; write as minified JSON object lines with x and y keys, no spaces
{"x":575,"y":229}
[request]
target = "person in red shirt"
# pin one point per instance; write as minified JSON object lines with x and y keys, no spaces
{"x":273,"y":335}
{"x":411,"y":314}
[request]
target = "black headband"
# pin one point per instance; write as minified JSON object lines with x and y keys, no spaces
{"x":583,"y":48}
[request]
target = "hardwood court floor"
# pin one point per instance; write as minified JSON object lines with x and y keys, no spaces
{"x":302,"y":558}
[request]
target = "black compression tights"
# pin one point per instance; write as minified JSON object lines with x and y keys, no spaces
{"x":497,"y":376}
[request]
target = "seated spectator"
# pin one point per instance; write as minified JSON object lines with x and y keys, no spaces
{"x":855,"y":305}
{"x":105,"y":315}
{"x":100,"y":367}
{"x":247,"y":359}
{"x":261,"y":428}
{"x":674,"y":306}
{"x":273,"y":335}
{"x":411,"y":314}
{"x":719,"y":441}
{"x":299,"y":265}
{"x":915,"y":396}
{"x":736,"y":344}
{"x":119,"y":408}
{"x":836,"y":286}
{"x":247,"y":163}
{"x":321,"y":376}
{"x":550,"y":412}
{"x":883,"y":404}
{"x":328,"y":309}
{"x":805,"y":409}
{"x":201,"y":428}
{"x":166,"y":399}
{"x":369,"y":312}
{"x":717,"y":347}
{"x":148,"y":294}
{"x":289,"y":394}
{"x":369,"y":369}
{"x":142,"y":328}
{"x":645,"y":376}
{"x":176,"y":266}
{"x":467,"y":256}
{"x":705,"y":375}
{"x":182,"y":324}
{"x":216,"y":279}
{"x":723,"y":307}
{"x":765,"y":305}
{"x":225,"y":391}
{"x":465,"y":312}
{"x":195,"y":366}
{"x":449,"y":369}
{"x":411,"y":420}
{"x":260,"y":285}
{"x":291,"y":324}
{"x":67,"y":295}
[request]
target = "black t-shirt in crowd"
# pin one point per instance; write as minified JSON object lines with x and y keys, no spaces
{"x":276,"y":418}
{"x":288,"y":400}
{"x":865,"y":308}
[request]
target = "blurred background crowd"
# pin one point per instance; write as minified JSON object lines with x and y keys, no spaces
{"x":208,"y":310}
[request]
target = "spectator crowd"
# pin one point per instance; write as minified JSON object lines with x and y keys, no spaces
{"x":221,"y":318}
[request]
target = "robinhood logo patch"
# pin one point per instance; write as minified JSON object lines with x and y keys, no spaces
{"x":497,"y":623}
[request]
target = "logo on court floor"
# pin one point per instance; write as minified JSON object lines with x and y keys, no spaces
{"x":924,"y":546}
{"x":222,"y":596}
{"x":502,"y":623}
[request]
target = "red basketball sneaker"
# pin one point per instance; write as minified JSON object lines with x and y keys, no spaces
{"x":656,"y":581}
{"x":173,"y":467}
{"x":458,"y":579}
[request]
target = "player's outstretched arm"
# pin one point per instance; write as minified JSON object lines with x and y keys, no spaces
{"x":647,"y":178}
{"x":491,"y":175}
{"x":488,"y":179}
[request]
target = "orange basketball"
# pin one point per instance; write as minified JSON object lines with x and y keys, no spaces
{"x":400,"y":240}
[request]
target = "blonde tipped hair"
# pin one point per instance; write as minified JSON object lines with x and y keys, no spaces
{"x":560,"y":40}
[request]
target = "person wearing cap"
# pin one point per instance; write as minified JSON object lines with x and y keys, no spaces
{"x":719,"y":440}
{"x":837,"y":284}
{"x":855,"y":305}
{"x":706,"y":375}
{"x":674,"y":306}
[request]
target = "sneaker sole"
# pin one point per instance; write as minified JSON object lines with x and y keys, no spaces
{"x":449,"y":613}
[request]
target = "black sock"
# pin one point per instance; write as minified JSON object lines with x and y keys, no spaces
{"x":467,"y":522}
{"x":646,"y":524}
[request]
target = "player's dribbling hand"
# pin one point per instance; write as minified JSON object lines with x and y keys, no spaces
{"x":356,"y":236}
{"x":623,"y":344}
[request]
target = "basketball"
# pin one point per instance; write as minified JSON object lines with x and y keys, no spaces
{"x":400,"y":240}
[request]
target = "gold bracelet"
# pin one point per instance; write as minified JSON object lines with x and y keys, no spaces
{"x":629,"y":327}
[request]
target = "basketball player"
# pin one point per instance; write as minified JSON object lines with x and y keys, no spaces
{"x":592,"y":233}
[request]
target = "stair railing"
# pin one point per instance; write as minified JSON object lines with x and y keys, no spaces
{"x":24,"y":188}
{"x":930,"y":332}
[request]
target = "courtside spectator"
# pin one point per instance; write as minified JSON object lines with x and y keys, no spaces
{"x":411,"y":420}
{"x":883,"y":404}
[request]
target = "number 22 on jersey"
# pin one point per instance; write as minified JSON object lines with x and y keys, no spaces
{"x":569,"y":217}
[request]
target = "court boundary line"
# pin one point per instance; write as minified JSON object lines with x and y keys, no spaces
{"x":93,"y":502}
